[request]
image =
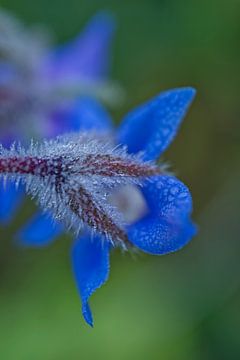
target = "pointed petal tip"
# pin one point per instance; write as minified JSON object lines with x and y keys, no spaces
{"x":152,"y":126}
{"x":87,"y":314}
{"x":106,"y":16}
{"x":90,"y":261}
{"x":190,"y":92}
{"x":187,"y":92}
{"x":103,"y":21}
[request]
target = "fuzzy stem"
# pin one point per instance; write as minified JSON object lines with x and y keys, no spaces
{"x":30,"y":165}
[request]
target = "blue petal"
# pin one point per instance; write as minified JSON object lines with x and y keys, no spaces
{"x":10,"y":200}
{"x":39,"y":231}
{"x":88,"y":55}
{"x":167,"y":227}
{"x":90,"y":259}
{"x":151,"y":127}
{"x":82,"y":115}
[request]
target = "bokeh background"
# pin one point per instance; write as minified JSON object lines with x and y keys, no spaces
{"x":180,"y":306}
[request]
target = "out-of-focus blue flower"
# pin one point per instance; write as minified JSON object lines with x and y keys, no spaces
{"x":36,"y":81}
{"x":162,"y":225}
{"x":87,"y":56}
{"x":41,"y":87}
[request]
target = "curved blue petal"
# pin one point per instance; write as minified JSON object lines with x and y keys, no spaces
{"x":167,"y":196}
{"x":167,"y":227}
{"x":40,"y":230}
{"x":88,"y":55}
{"x":151,"y":127}
{"x":10,"y":200}
{"x":82,"y":115}
{"x":90,"y":259}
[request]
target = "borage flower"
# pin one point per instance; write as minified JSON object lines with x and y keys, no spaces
{"x":39,"y":84}
{"x":108,"y":196}
{"x":37,"y":79}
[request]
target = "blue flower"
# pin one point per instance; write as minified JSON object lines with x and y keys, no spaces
{"x":164,"y":225}
{"x":83,"y":62}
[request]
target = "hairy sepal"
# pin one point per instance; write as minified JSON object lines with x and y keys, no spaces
{"x":73,"y":177}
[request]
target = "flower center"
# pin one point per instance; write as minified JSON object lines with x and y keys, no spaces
{"x":130,"y":203}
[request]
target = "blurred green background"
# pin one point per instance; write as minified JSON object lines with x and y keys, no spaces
{"x":180,"y":306}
